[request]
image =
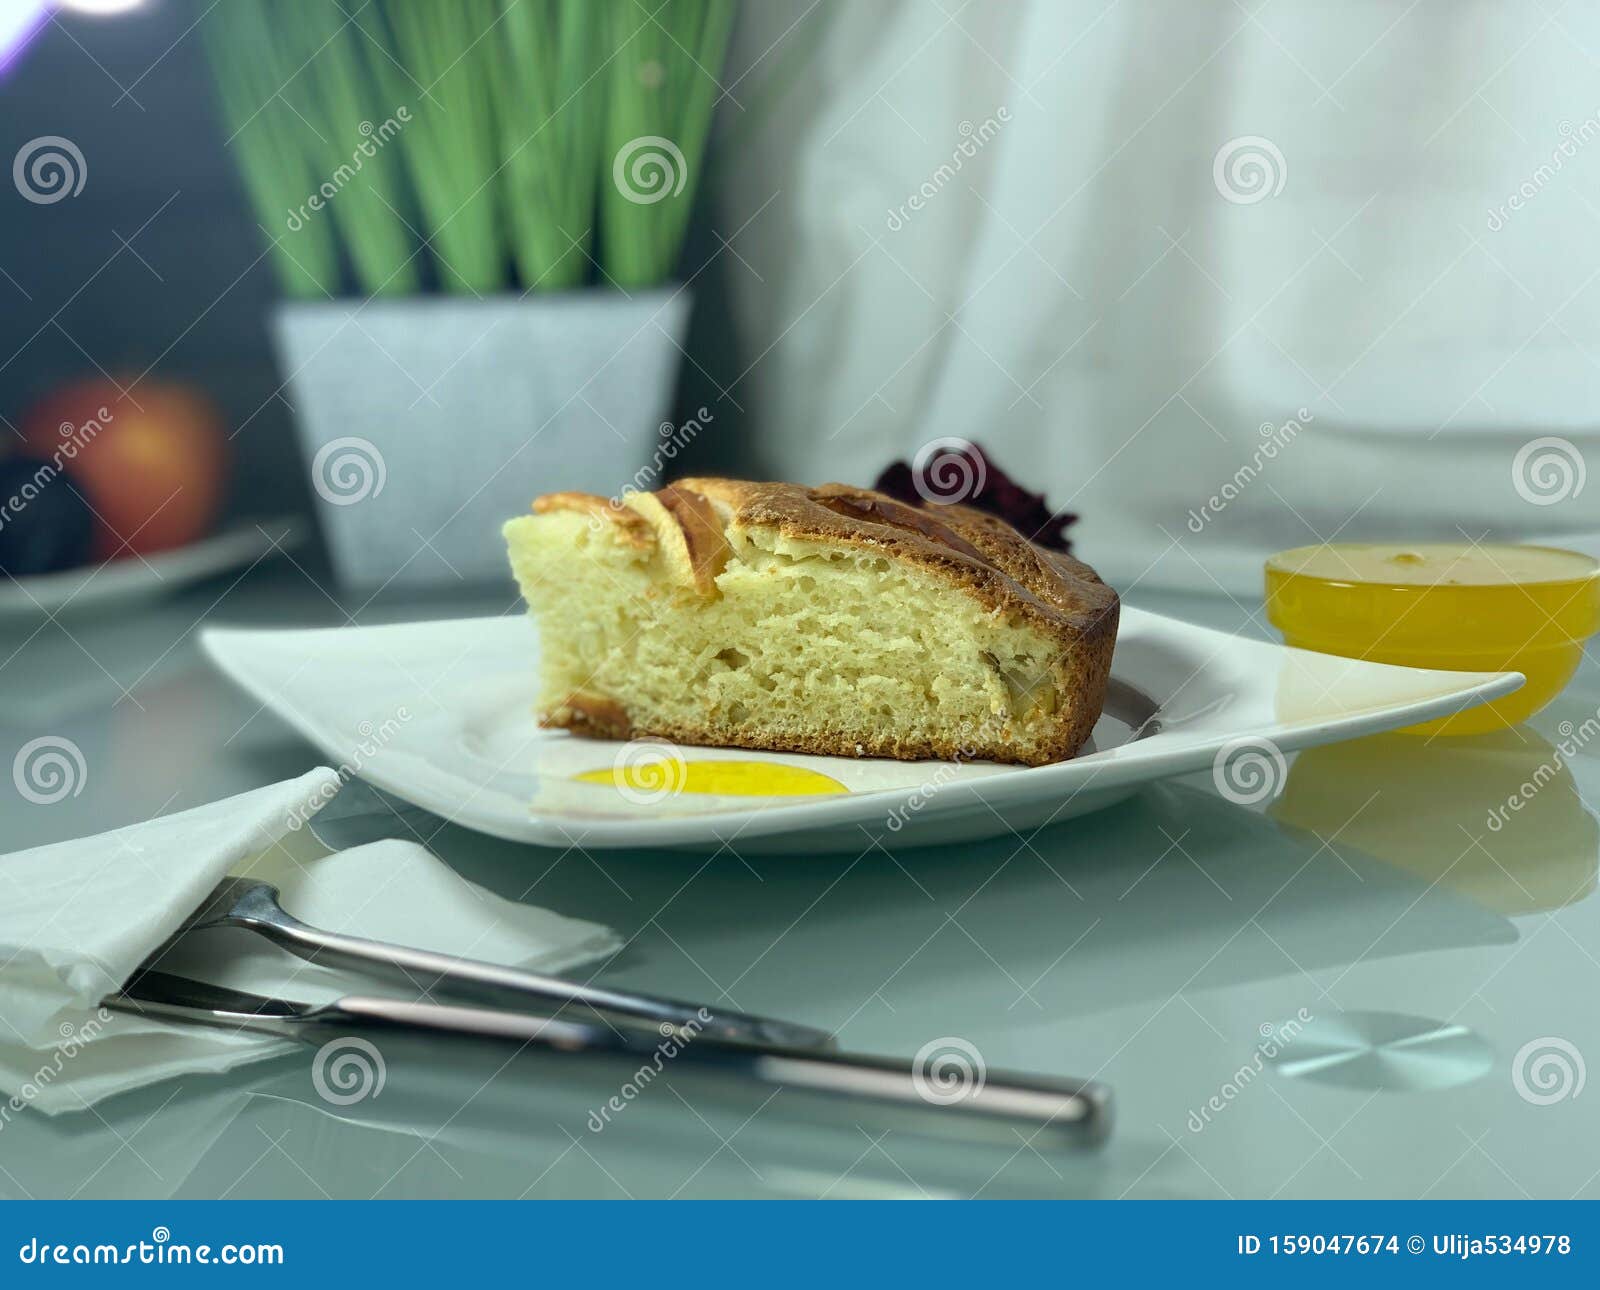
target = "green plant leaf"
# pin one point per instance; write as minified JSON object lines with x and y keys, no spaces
{"x":664,"y":86}
{"x":483,"y":137}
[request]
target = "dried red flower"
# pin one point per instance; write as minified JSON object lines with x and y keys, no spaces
{"x":953,"y":470}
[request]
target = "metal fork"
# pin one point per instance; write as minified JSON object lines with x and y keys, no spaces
{"x":991,"y":1106}
{"x":247,"y":903}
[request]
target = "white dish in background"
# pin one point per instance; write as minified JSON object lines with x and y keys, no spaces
{"x":94,"y":587}
{"x":440,"y":714}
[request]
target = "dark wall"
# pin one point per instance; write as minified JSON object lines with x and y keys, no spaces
{"x":190,"y":295}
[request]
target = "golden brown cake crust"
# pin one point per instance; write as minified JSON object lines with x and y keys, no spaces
{"x":1061,"y":597}
{"x":590,"y":714}
{"x":634,"y":528}
{"x":703,"y":537}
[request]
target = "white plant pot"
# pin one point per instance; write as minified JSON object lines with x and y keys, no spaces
{"x":429,"y":422}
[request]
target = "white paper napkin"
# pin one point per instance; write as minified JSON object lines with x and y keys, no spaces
{"x":77,"y":918}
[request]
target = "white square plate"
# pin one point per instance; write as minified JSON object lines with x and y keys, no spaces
{"x":440,"y":714}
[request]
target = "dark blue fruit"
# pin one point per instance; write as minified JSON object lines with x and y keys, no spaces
{"x":45,"y":525}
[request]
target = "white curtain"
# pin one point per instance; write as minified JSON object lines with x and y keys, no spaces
{"x":1126,"y":244}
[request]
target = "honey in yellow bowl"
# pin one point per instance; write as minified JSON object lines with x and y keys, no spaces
{"x":1455,"y":606}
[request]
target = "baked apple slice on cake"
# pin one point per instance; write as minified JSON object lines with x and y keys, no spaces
{"x":826,"y":620}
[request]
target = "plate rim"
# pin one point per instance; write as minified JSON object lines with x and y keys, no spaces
{"x":1021,"y":783}
{"x":92,"y":586}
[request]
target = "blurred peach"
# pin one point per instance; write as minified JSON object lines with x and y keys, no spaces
{"x":151,"y":462}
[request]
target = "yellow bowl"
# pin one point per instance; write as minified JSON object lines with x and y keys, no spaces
{"x":1456,"y":606}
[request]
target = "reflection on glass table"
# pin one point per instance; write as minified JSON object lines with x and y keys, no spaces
{"x":1163,"y":947}
{"x":1497,"y":817}
{"x":1035,"y":956}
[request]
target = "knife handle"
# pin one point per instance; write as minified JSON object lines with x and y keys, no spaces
{"x":887,"y":1090}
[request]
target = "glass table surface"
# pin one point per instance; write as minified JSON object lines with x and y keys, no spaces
{"x":1417,"y":917}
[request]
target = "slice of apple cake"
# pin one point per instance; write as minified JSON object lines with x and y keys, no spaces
{"x":823,"y":620}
